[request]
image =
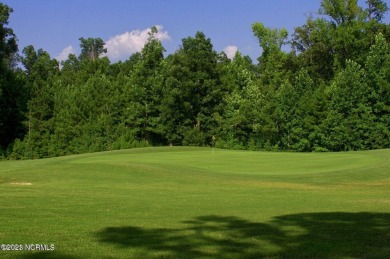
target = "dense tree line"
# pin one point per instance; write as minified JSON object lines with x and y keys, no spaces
{"x":329,"y":92}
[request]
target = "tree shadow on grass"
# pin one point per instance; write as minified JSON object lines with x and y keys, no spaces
{"x":307,"y":235}
{"x":45,"y":255}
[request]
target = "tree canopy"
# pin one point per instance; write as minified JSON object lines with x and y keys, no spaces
{"x":329,"y":91}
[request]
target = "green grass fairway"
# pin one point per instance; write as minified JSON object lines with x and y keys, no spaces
{"x":198,"y":203}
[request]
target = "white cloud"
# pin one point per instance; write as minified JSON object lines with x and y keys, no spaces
{"x":65,"y":53}
{"x":230,"y":51}
{"x":123,"y":45}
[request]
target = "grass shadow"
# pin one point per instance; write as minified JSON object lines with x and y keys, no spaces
{"x":306,"y":235}
{"x":46,"y":255}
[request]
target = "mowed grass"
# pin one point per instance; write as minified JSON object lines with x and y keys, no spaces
{"x":198,"y":203}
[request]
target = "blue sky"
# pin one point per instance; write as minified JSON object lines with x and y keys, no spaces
{"x":56,"y":25}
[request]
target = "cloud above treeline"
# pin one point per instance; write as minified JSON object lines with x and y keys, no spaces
{"x":65,"y":53}
{"x":122,"y":46}
{"x":230,"y":51}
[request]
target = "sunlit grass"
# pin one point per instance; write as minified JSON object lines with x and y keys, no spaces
{"x":198,"y":202}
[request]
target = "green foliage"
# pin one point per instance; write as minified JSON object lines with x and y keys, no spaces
{"x":91,"y":48}
{"x":13,"y":99}
{"x":350,"y":118}
{"x":269,"y":39}
{"x":341,"y":11}
{"x":144,"y":90}
{"x":272,"y":59}
{"x":293,"y":112}
{"x":192,"y":92}
{"x":13,"y":96}
{"x":378,"y":78}
{"x":376,"y":9}
{"x":8,"y":41}
{"x":313,"y":41}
